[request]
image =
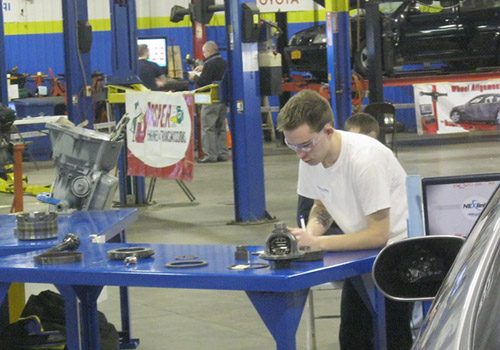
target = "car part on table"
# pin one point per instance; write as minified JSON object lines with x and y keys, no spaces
{"x":241,"y":253}
{"x":186,"y":263}
{"x":248,"y":266}
{"x":311,"y":254}
{"x":123,"y":253}
{"x":36,"y":225}
{"x":59,"y":255}
{"x":281,"y":246}
{"x":83,"y":159}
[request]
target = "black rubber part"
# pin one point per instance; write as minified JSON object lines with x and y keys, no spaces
{"x":58,"y":258}
{"x":122,"y":253}
{"x":180,"y":264}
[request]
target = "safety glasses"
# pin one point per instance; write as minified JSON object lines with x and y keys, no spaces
{"x":307,"y":146}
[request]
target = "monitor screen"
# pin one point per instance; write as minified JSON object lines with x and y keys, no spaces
{"x":425,"y":109}
{"x":157,"y":46}
{"x":453,"y":204}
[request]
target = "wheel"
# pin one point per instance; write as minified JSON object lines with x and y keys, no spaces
{"x":455,"y":116}
{"x":361,"y":59}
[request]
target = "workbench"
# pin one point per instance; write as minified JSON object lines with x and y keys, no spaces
{"x":278,"y":295}
{"x":105,"y":225}
{"x":93,"y":225}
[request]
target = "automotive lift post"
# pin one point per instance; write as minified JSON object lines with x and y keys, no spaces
{"x":16,"y":296}
{"x":339,"y":60}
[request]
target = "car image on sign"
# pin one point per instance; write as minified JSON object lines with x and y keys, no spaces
{"x":482,"y":108}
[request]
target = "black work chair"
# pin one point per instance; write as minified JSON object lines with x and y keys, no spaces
{"x":385,"y":114}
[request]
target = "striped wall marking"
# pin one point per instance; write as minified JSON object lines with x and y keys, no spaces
{"x":218,"y":19}
{"x":306,"y":16}
{"x":100,"y":25}
{"x":44,"y":27}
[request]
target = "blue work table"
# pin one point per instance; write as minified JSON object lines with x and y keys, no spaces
{"x":109,"y":224}
{"x":106,"y":225}
{"x":279,"y":295}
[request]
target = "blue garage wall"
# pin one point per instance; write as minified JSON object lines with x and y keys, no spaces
{"x":34,"y":53}
{"x":402,"y":95}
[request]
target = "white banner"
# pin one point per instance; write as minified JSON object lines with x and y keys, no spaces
{"x":457,"y":106}
{"x":159,"y":130}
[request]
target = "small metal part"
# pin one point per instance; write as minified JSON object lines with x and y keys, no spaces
{"x":186,"y":257}
{"x":36,"y":225}
{"x":69,"y":242}
{"x":122,"y":253}
{"x":241,"y":253}
{"x":248,"y":266}
{"x":81,"y":186}
{"x":130,"y":260}
{"x":56,"y":258}
{"x":186,"y":263}
{"x":281,"y":246}
{"x":311,"y":254}
{"x":57,"y":255}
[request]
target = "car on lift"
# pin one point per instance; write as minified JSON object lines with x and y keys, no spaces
{"x":482,"y":108}
{"x":461,"y":34}
{"x":461,"y":276}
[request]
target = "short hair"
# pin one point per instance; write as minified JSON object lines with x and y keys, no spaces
{"x":364,"y":121}
{"x":143,"y":50}
{"x":306,"y":107}
{"x":211,"y":46}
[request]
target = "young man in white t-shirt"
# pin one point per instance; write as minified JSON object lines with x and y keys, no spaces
{"x":356,"y":181}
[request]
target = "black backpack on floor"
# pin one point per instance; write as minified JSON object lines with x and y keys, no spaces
{"x":49,"y":307}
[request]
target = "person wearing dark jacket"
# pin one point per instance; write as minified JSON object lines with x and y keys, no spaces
{"x":149,"y":72}
{"x":213,"y":117}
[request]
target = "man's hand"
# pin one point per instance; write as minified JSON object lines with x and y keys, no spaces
{"x":198,"y":68}
{"x":305,"y":239}
{"x":161,"y":81}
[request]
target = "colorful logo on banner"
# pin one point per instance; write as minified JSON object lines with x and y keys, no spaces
{"x":457,"y":106}
{"x":160,"y":134}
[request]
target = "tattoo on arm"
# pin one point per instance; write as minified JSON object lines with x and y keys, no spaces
{"x":323,"y":218}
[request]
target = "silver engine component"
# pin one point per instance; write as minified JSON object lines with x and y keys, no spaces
{"x":83,"y":159}
{"x":36,"y":225}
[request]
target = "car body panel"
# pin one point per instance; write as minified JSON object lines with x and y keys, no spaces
{"x":462,"y":308}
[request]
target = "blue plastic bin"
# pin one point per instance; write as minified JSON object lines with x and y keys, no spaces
{"x":34,"y":107}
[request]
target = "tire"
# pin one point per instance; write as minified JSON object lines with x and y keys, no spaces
{"x":361,"y":59}
{"x":455,"y":116}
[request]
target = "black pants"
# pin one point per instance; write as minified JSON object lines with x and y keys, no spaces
{"x":356,"y":328}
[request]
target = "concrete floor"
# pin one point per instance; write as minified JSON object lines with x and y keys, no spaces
{"x":199,"y":319}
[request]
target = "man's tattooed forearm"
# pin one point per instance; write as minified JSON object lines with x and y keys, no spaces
{"x":323,"y":218}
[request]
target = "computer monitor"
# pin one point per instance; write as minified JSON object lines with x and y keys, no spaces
{"x":453,"y":204}
{"x":157,"y":46}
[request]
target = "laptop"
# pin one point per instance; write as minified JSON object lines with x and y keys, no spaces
{"x":451,"y":205}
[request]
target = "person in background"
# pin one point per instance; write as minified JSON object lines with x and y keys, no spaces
{"x":357,"y":182}
{"x":150,"y":73}
{"x":361,"y":123}
{"x":213,"y":116}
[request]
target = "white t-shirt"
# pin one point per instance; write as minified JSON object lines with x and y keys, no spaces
{"x":366,"y":178}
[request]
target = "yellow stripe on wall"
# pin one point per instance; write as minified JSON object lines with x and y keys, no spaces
{"x":49,"y":27}
{"x":100,"y":25}
{"x":306,"y":16}
{"x":218,"y":19}
{"x":42,"y":27}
